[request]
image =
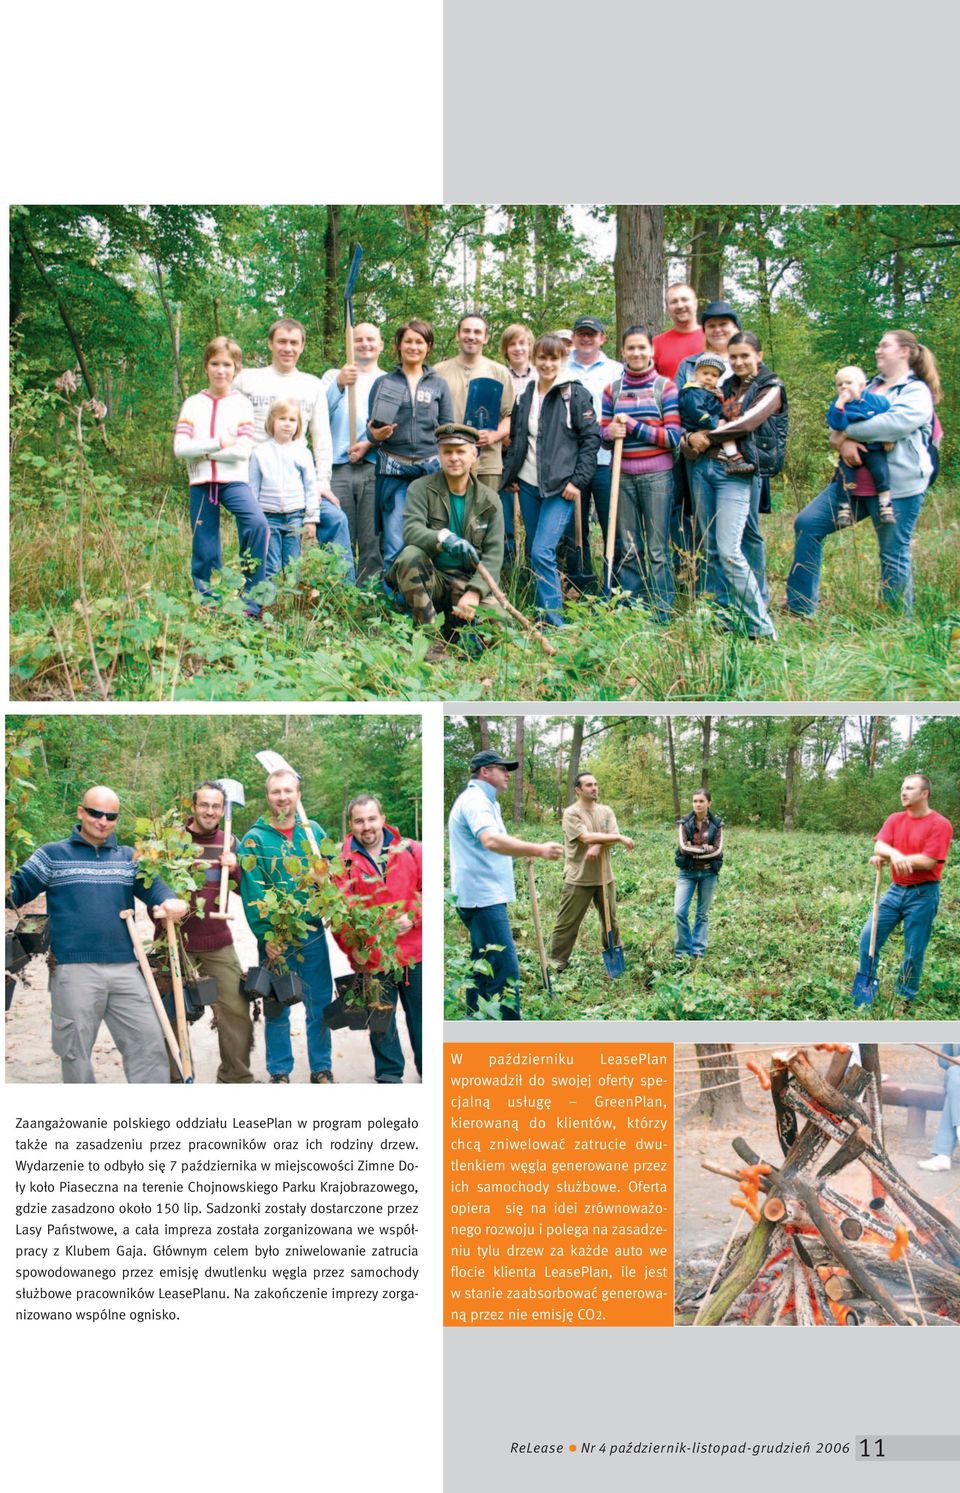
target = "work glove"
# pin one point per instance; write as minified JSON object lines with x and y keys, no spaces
{"x":461,"y":549}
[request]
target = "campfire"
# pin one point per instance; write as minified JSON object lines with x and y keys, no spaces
{"x":819,"y":1253}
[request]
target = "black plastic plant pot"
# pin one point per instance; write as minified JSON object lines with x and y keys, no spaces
{"x":287,"y":989}
{"x":192,"y":1010}
{"x":205,"y":988}
{"x":336,"y":1014}
{"x":348,"y":985}
{"x":379,"y":1018}
{"x":256,"y":982}
{"x":163,"y":979}
{"x":11,"y":987}
{"x":271,"y":1008}
{"x":34,"y":934}
{"x":15,"y":955}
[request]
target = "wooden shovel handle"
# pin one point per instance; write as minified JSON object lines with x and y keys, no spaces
{"x":607,"y":925}
{"x":614,"y":505}
{"x":876,"y":914}
{"x":152,"y":991}
{"x":225,"y":870}
{"x":351,"y":388}
{"x":525,"y":622}
{"x":179,"y":1004}
{"x":535,"y":905}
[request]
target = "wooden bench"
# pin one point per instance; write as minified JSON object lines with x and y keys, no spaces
{"x":916,"y":1099}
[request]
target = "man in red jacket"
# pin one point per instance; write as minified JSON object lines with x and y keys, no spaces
{"x":382,"y":867}
{"x":209,"y":941}
{"x":915,"y":844}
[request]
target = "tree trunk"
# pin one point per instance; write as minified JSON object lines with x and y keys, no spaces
{"x":705,"y":752}
{"x":173,"y":327}
{"x":706,"y":255}
{"x":72,"y":333}
{"x":576,"y":749}
{"x":331,"y":289}
{"x":799,"y":727}
{"x":874,"y":734}
{"x":518,"y":775}
{"x":638,"y":267}
{"x":673,"y":770}
{"x":718,"y":1066}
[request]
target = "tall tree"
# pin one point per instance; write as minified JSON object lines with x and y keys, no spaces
{"x":799,"y":725}
{"x":639,"y":266}
{"x":721,"y":1098}
{"x":576,"y":750}
{"x":518,"y":775}
{"x":706,"y":729}
{"x":674,"y":785}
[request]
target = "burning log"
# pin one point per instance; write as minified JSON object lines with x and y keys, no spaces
{"x":815,"y":1256}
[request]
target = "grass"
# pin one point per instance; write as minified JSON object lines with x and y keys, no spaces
{"x":134,"y":612}
{"x":784,"y":932}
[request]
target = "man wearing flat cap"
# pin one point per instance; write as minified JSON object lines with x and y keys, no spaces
{"x":481,"y":877}
{"x":452,"y":523}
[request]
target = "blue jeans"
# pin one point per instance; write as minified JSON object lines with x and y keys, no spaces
{"x":599,"y":491}
{"x":312,"y":963}
{"x":333,"y":527}
{"x":546,"y":520}
{"x":509,"y":527}
{"x":950,"y":1117}
{"x":284,"y":546}
{"x":387,"y":1052}
{"x":703,"y":884}
{"x":724,"y":506}
{"x":390,"y":499}
{"x":206,"y":500}
{"x":754,"y":550}
{"x":488,"y":926}
{"x":643,"y":539}
{"x":811,"y":527}
{"x":916,"y":907}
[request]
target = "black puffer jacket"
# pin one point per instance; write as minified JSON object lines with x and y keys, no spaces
{"x":686,"y":862}
{"x":766,"y":446}
{"x":568,"y":437}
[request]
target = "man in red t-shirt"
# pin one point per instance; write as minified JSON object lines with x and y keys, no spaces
{"x":915,"y":843}
{"x":685,"y":338}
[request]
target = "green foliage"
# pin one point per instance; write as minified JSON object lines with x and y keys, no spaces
{"x":784,"y":931}
{"x":23,"y":751}
{"x":154,"y":761}
{"x":165,"y":851}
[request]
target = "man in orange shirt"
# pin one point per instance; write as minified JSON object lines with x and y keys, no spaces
{"x":915,"y":844}
{"x":685,"y":338}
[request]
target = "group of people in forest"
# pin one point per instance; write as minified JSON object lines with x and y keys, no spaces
{"x":90,"y":881}
{"x":912,"y":842}
{"x":421,"y":475}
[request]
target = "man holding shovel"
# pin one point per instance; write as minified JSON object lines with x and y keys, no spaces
{"x":481,"y":876}
{"x":207,"y":936}
{"x":282,"y":832}
{"x":914,"y":843}
{"x":589,"y":830}
{"x":471,"y":371}
{"x":354,"y":455}
{"x":90,"y":880}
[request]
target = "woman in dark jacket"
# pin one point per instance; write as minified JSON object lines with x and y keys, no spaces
{"x":406,"y":406}
{"x":727,"y":505}
{"x":554,"y":439}
{"x":699,"y":856}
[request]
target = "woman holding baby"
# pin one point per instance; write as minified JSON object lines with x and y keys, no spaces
{"x":908,"y":382}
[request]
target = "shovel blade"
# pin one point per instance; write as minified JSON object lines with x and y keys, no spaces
{"x":614,"y":962}
{"x":865,"y":990}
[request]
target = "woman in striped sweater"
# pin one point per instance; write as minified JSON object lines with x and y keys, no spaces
{"x":214,"y":436}
{"x":641,"y":410}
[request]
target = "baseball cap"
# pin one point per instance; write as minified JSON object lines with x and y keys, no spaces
{"x":588,"y":324}
{"x":491,"y":759}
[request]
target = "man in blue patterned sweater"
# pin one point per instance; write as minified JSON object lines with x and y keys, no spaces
{"x":89,"y":880}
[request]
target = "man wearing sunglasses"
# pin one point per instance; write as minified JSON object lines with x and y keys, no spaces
{"x":89,"y":880}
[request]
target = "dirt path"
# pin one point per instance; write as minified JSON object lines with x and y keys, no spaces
{"x":30,"y":1058}
{"x":704,"y":1215}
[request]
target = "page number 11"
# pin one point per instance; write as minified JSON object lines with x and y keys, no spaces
{"x":876,"y":1444}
